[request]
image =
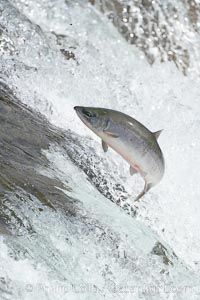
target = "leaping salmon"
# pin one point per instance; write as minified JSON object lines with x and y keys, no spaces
{"x":128,"y":137}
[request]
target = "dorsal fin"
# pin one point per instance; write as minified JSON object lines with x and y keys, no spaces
{"x":157,"y":133}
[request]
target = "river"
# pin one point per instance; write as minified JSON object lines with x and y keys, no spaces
{"x":69,"y":228}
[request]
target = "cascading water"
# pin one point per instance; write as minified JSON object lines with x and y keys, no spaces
{"x":69,"y":228}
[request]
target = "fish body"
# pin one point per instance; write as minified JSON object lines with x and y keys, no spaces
{"x":128,"y":137}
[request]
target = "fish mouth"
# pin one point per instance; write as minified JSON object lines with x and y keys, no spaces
{"x":79,"y":112}
{"x":78,"y":108}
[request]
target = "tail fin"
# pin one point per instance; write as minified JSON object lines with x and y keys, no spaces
{"x":146,"y":189}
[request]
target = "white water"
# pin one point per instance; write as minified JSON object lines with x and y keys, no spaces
{"x":110,"y":73}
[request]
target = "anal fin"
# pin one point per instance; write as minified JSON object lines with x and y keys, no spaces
{"x":104,"y":146}
{"x":132,"y":170}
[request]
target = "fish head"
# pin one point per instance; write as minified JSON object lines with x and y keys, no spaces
{"x":96,"y":119}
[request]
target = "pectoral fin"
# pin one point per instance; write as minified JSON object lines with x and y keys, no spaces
{"x":132,"y":170}
{"x":112,"y":134}
{"x":104,"y":146}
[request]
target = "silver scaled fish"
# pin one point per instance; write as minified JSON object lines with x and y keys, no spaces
{"x":128,"y":137}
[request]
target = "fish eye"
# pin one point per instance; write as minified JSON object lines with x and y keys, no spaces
{"x":89,"y":114}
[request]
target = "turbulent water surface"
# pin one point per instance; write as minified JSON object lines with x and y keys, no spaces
{"x":68,"y":226}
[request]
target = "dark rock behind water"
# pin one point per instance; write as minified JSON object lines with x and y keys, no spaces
{"x":22,"y":136}
{"x":149,"y":25}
